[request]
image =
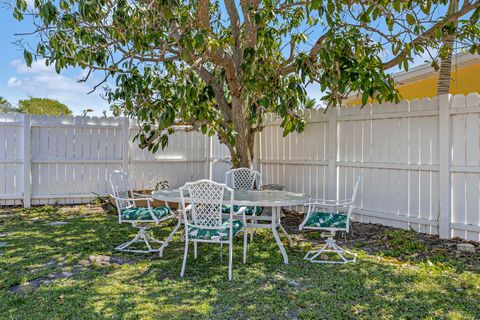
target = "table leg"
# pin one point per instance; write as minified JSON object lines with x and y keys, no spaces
{"x":290,"y":241}
{"x":175,"y":229}
{"x":275,"y":217}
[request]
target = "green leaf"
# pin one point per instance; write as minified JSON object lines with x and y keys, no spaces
{"x":475,"y":16}
{"x":411,"y":19}
{"x":28,"y":58}
{"x":316,"y":4}
{"x":364,"y":98}
{"x":425,"y":6}
{"x":396,"y":5}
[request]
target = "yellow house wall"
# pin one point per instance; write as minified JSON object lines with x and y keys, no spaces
{"x":464,"y":81}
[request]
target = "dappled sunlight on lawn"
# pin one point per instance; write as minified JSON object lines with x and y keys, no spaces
{"x":144,"y":286}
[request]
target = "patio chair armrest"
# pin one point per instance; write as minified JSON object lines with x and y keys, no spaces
{"x":242,"y":211}
{"x":131,"y":199}
{"x":142,"y":196}
{"x":328,"y":203}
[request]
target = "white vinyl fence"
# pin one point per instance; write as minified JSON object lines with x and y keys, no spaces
{"x":68,"y":159}
{"x":420,"y":160}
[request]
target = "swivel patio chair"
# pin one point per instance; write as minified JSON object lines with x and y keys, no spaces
{"x":330,"y":216}
{"x":139,"y":217}
{"x":206,"y":222}
{"x":244,"y":179}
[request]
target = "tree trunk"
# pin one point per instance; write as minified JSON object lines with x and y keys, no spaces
{"x":243,"y":151}
{"x":445,"y":72}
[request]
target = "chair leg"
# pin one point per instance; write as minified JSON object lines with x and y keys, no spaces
{"x":330,"y":246}
{"x":143,"y":236}
{"x":184,"y":263}
{"x":245,"y":241}
{"x":252,"y":230}
{"x":128,"y":243}
{"x":195,"y":250}
{"x":145,"y":240}
{"x":230,"y":258}
{"x":315,"y":253}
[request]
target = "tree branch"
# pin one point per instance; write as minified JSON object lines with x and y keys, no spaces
{"x":235,"y":23}
{"x":466,"y":8}
{"x":249,"y":20}
{"x":203,"y":15}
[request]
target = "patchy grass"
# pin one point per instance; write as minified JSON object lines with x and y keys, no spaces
{"x":139,"y":286}
{"x":401,"y":242}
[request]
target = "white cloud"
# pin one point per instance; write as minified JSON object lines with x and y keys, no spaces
{"x":13,"y":82}
{"x":41,"y":80}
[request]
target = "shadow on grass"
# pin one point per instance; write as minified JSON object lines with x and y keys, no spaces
{"x":150,"y":287}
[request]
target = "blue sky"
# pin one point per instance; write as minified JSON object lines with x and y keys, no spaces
{"x":17,"y":81}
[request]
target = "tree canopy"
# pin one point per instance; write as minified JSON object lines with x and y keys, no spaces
{"x":43,"y":106}
{"x":221,"y":65}
{"x":6,"y":106}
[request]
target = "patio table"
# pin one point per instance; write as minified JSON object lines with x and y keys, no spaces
{"x":266,"y":198}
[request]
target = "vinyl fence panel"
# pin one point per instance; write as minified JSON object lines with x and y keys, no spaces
{"x":419,"y":159}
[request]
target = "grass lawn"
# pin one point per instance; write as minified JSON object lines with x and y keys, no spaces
{"x":84,"y":284}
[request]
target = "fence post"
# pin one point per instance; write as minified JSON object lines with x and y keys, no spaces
{"x":257,"y":152}
{"x":444,"y":158}
{"x":332,"y":154}
{"x":27,"y":185}
{"x":126,"y":138}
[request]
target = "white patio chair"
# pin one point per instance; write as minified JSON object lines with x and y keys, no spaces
{"x":139,"y":217}
{"x":244,"y":179}
{"x":330,"y":216}
{"x":206,"y":222}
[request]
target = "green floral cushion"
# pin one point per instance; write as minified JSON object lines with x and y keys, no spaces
{"x":142,"y":213}
{"x":248,"y":211}
{"x":327,"y":220}
{"x":209,"y":234}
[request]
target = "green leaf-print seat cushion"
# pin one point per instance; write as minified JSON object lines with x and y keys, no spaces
{"x":208,"y":234}
{"x":327,"y":220}
{"x":142,"y":213}
{"x":248,"y":211}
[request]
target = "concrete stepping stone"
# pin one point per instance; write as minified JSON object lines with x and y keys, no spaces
{"x":466,"y":247}
{"x":57,"y":223}
{"x":3,"y":234}
{"x":103,"y":260}
{"x":35,"y":284}
{"x":43,"y":266}
{"x":3,"y":244}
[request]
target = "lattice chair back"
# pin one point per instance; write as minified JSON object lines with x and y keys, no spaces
{"x":121,"y":189}
{"x":244,"y":178}
{"x":206,"y":199}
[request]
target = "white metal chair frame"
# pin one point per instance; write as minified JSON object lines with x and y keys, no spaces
{"x":205,"y":208}
{"x":330,"y":245}
{"x":245,"y":179}
{"x":125,"y":198}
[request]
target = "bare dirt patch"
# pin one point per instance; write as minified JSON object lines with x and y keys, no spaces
{"x":404,"y":245}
